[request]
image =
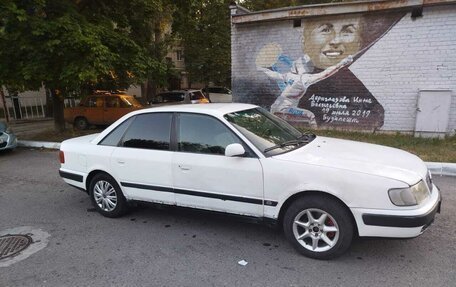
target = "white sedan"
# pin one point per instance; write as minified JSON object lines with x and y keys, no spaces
{"x":239,"y":159}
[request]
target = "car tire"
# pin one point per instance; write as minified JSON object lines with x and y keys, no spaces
{"x":81,"y":123}
{"x":107,"y":196}
{"x":319,"y":226}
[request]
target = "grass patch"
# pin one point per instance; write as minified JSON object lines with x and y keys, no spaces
{"x":438,"y":150}
{"x":428,"y":149}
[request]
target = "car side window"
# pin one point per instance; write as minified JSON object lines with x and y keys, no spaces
{"x":173,"y":97}
{"x":204,"y":134}
{"x":114,"y":137}
{"x":149,"y":131}
{"x":112,"y":102}
{"x":91,"y":102}
{"x":158,"y":99}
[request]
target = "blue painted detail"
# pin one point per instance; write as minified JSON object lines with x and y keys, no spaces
{"x":283,"y":66}
{"x":286,"y":60}
{"x":295,"y":112}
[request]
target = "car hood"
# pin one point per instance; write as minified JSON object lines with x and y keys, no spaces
{"x":360,"y":157}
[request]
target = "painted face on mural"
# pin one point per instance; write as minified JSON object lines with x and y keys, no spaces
{"x":328,"y":41}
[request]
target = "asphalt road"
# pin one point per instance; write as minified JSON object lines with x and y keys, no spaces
{"x":170,"y":247}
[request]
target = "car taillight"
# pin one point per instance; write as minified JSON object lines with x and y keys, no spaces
{"x":61,"y":157}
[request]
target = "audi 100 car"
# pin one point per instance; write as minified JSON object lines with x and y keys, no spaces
{"x":240,"y":159}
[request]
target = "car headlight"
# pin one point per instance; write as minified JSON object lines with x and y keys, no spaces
{"x":413,"y":195}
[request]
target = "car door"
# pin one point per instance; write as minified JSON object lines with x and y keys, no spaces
{"x":205,"y":178}
{"x":142,"y":161}
{"x":94,"y":110}
{"x":112,"y":111}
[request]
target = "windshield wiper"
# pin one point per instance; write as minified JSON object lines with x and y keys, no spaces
{"x":299,"y":141}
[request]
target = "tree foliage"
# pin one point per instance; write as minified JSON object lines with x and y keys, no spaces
{"x":203,"y":26}
{"x":69,"y":44}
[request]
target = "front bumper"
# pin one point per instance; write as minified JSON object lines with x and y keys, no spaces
{"x":398,"y":223}
{"x":402,"y":221}
{"x":7,"y":141}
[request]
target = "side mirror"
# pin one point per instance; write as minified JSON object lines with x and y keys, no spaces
{"x":234,"y":150}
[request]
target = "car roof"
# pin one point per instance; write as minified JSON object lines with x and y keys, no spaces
{"x":180,"y":91}
{"x":210,"y":109}
{"x":217,"y":110}
{"x":109,"y":95}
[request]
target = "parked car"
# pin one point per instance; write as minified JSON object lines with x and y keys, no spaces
{"x":218,"y":94}
{"x":102,"y":108}
{"x":8,"y":140}
{"x":179,"y":97}
{"x":240,"y":159}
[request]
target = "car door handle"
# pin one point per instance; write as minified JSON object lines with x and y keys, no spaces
{"x":120,"y":161}
{"x":184,"y":167}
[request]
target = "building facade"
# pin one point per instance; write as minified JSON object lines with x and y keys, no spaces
{"x":377,"y":65}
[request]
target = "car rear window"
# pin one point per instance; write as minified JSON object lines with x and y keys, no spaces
{"x":113,"y":138}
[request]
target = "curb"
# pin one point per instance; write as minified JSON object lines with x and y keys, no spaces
{"x":436,"y":168}
{"x":49,"y":145}
{"x":442,"y":168}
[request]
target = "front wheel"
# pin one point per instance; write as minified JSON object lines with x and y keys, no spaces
{"x":318,"y":226}
{"x":81,"y":123}
{"x":107,"y":196}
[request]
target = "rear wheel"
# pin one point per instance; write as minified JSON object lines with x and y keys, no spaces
{"x":81,"y":123}
{"x":318,"y":226}
{"x":107,"y":196}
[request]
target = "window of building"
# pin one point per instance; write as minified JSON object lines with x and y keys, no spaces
{"x":179,"y":55}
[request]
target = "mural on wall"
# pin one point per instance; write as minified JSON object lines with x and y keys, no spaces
{"x":318,"y":89}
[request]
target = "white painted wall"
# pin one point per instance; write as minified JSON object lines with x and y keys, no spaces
{"x":415,"y":55}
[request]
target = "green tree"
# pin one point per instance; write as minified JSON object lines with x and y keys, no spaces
{"x":66,"y":45}
{"x":203,"y":26}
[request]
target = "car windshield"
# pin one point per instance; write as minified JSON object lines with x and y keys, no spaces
{"x":268,"y":133}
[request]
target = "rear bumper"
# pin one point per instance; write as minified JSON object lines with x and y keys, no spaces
{"x":398,"y":223}
{"x":70,"y":175}
{"x":74,"y":179}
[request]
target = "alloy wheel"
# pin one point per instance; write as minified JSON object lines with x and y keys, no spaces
{"x":105,"y":195}
{"x":316,"y":230}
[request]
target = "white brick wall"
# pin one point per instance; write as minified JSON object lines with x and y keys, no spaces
{"x":414,"y":55}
